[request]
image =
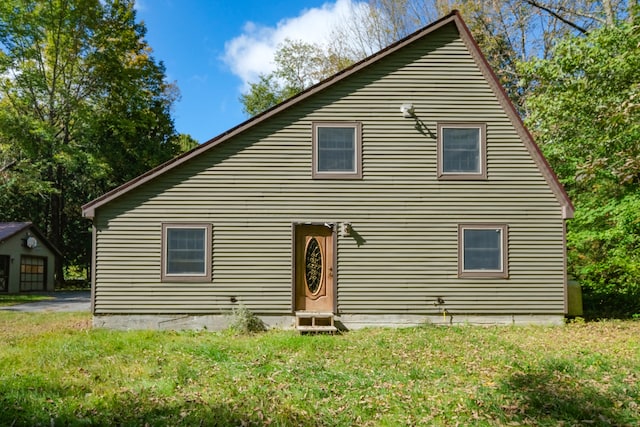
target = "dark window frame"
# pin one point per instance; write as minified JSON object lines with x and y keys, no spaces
{"x":5,"y":261}
{"x":357,"y":173}
{"x":503,"y":272}
{"x":173,"y":277}
{"x":479,"y":175}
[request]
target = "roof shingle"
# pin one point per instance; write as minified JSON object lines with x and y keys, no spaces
{"x":8,"y":229}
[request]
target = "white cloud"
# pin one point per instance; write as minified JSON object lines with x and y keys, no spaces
{"x":251,"y":53}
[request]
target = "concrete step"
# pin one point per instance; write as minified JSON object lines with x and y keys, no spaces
{"x":317,"y":328}
{"x":315,"y":321}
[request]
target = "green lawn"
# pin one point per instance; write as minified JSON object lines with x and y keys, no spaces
{"x":56,"y":370}
{"x":7,"y":300}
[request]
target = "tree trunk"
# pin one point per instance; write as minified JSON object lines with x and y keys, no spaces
{"x":572,"y":24}
{"x":57,"y":222}
{"x":608,"y":13}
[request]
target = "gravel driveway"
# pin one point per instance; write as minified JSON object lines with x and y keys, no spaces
{"x":62,"y":301}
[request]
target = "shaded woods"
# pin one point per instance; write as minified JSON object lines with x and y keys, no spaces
{"x":84,"y":107}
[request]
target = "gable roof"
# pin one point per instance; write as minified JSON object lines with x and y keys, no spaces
{"x":10,"y":229}
{"x":88,"y":210}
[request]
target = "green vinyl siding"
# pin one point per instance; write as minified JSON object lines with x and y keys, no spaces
{"x":252,"y":187}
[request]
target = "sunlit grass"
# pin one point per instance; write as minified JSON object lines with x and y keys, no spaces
{"x":56,"y":370}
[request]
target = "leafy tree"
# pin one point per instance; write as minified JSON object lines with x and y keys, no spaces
{"x":265,"y":93}
{"x":299,"y":65}
{"x":186,"y":142}
{"x":83,"y":107}
{"x":585,"y":113}
{"x":507,"y":31}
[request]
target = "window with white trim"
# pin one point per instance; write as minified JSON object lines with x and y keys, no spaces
{"x":482,"y":250}
{"x":186,"y":252}
{"x":337,"y":150}
{"x":461,"y":151}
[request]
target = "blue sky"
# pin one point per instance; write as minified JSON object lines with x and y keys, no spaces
{"x":212,"y":48}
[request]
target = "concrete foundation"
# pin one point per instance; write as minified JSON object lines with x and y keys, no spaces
{"x":359,"y":321}
{"x":211,"y":322}
{"x":217,"y":322}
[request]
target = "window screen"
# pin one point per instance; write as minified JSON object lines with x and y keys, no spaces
{"x":186,"y":251}
{"x":483,"y":249}
{"x":461,"y":150}
{"x":336,"y":149}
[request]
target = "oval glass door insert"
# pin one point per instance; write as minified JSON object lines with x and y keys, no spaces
{"x":313,"y":266}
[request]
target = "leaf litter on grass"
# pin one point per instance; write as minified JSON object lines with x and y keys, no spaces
{"x":448,"y":376}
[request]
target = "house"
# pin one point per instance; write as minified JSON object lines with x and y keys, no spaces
{"x":27,"y":259}
{"x":402,"y":190}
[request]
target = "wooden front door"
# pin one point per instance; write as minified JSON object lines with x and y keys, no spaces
{"x":314,"y":268}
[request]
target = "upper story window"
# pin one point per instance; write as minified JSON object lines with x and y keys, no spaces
{"x":462,"y":151}
{"x":482,"y":250}
{"x":186,"y":252}
{"x":337,"y":150}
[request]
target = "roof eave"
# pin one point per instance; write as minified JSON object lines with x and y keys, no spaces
{"x":534,"y":150}
{"x":29,"y":225}
{"x":46,"y":241}
{"x":24,"y":225}
{"x":89,"y":209}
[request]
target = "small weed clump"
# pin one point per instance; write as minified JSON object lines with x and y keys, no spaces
{"x":243,"y":321}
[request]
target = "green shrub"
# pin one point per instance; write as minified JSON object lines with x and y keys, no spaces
{"x":604,"y":256}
